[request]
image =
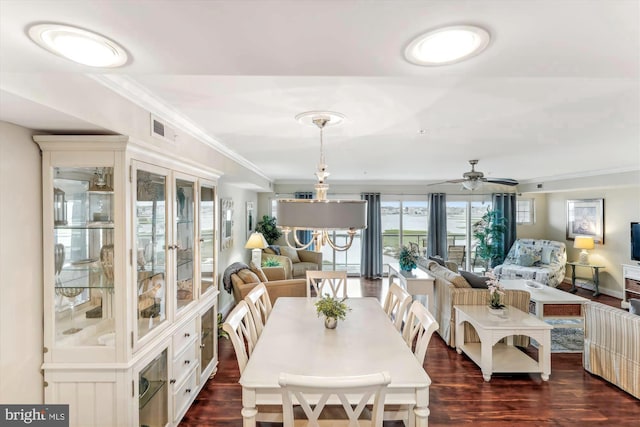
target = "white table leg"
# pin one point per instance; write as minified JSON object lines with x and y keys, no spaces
{"x":249,"y":410}
{"x":421,"y":410}
{"x":544,"y":356}
{"x":459,"y":331}
{"x":486,"y":357}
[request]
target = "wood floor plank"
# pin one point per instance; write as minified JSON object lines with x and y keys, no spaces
{"x":458,"y":394}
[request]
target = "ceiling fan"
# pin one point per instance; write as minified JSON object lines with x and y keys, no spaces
{"x":472,"y":179}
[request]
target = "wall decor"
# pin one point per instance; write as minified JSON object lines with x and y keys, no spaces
{"x":226,"y":223}
{"x":251,"y":219}
{"x":585,"y":217}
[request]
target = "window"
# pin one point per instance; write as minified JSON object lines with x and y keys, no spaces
{"x":525,"y":212}
{"x":403,"y":222}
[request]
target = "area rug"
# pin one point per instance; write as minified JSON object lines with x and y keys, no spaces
{"x":565,"y":340}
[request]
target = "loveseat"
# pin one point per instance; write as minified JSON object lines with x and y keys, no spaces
{"x":540,"y":260}
{"x":296,"y":262}
{"x":612,"y":346}
{"x":240,"y":279}
{"x":452,"y":289}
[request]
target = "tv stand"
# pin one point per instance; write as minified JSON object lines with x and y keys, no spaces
{"x":631,"y":278}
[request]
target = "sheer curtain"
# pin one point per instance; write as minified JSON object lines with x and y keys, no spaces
{"x":371,"y":238}
{"x":304,"y":236}
{"x":437,"y":242}
{"x":506,"y":204}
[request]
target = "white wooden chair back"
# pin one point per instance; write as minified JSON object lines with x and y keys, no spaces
{"x":396,"y":303}
{"x":419,"y":327}
{"x":333,"y":283}
{"x":239,"y":325}
{"x":260,"y":306}
{"x":313,"y":393}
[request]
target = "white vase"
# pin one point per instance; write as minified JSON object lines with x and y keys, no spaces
{"x":330,"y":322}
{"x":496,"y":311}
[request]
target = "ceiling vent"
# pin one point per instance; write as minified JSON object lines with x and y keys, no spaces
{"x":160,"y":129}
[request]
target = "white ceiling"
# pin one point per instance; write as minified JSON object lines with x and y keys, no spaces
{"x":556,"y":93}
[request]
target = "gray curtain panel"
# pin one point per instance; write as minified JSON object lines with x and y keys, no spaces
{"x":437,"y":239}
{"x":304,"y":236}
{"x":506,"y":204}
{"x":371,"y":242}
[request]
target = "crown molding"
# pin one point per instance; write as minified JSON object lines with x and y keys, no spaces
{"x":579,"y":175}
{"x":138,"y":94}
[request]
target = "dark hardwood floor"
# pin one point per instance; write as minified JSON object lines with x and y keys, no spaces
{"x":458,"y":394}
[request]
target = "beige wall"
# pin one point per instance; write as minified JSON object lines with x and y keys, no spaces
{"x":621,"y":206}
{"x":20,"y":267}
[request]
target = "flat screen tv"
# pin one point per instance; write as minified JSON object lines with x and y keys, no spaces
{"x":635,"y":241}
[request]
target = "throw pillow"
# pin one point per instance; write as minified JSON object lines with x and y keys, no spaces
{"x":437,"y":259}
{"x":258,"y":272}
{"x":248,"y":276}
{"x":269,"y":250}
{"x":536,"y":253}
{"x":634,"y":306}
{"x":525,"y":260}
{"x":474,"y":280}
{"x":290,"y":253}
{"x":546,"y":255}
{"x":456,"y":280}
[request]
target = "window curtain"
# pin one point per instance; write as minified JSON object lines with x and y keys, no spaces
{"x":437,"y":241}
{"x":505,"y":203}
{"x":371,"y":238}
{"x":304,"y":236}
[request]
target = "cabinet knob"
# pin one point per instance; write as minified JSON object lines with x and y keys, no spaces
{"x":202,"y":346}
{"x":172,"y":381}
{"x":188,"y":390}
{"x":186,"y":362}
{"x":187,"y":334}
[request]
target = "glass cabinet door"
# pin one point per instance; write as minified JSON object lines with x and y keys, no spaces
{"x":184,"y":243}
{"x":207,"y":237}
{"x":150,"y":230}
{"x":208,"y":337}
{"x":153,"y":393}
{"x":83,"y":256}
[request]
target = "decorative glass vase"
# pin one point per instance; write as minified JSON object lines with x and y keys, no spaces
{"x":330,"y":322}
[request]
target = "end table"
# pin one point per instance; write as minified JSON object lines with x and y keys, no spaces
{"x":595,"y":274}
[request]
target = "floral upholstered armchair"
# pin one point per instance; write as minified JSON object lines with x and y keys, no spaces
{"x":540,"y":260}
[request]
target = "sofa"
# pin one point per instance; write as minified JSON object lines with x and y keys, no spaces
{"x":453,"y":289}
{"x":239,"y":279}
{"x":612,"y":346}
{"x":540,"y":260}
{"x":296,"y":262}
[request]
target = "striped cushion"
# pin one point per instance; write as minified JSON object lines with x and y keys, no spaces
{"x":612,"y":346}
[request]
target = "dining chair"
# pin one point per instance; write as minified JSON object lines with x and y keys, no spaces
{"x":396,"y":303}
{"x":260,"y":306}
{"x":242,"y":333}
{"x":302,"y":388}
{"x":418,"y":329}
{"x":332,"y":282}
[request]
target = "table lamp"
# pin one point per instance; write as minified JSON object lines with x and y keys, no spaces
{"x":256,"y":243}
{"x":584,"y":243}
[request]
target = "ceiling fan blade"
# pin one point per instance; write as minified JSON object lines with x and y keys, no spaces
{"x":502,"y":181}
{"x":452,"y":181}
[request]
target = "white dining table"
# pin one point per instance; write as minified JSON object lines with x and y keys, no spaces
{"x":295,"y":340}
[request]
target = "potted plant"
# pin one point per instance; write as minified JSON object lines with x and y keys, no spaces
{"x":489,"y":233}
{"x":496,"y":291}
{"x":408,"y":258}
{"x":267,"y":226}
{"x":332,"y":309}
{"x":271,"y":262}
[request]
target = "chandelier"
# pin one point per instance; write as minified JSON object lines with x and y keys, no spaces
{"x":320,"y":215}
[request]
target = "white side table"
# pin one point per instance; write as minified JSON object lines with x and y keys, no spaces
{"x":416,"y":282}
{"x":494,"y":357}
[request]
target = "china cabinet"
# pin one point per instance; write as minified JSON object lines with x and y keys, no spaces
{"x":130,"y":288}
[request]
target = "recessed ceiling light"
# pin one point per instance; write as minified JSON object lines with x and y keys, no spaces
{"x":447,"y":45}
{"x":78,"y":45}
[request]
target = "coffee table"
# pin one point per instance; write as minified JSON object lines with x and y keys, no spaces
{"x":494,"y":357}
{"x":550,"y":303}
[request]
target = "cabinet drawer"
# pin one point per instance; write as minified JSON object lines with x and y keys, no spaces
{"x":184,"y":396}
{"x":184,"y":335}
{"x":631,"y":272}
{"x":184,"y":362}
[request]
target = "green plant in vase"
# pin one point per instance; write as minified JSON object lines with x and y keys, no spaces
{"x":267,"y":226}
{"x":271,"y":262}
{"x":408,"y":258}
{"x":332,"y":309}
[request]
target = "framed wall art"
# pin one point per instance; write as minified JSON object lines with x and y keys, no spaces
{"x":251,"y":219}
{"x":226,"y":223}
{"x":585,"y":217}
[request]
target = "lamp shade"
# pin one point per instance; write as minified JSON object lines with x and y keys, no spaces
{"x":583,"y":242}
{"x":316,"y":214}
{"x":256,"y":241}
